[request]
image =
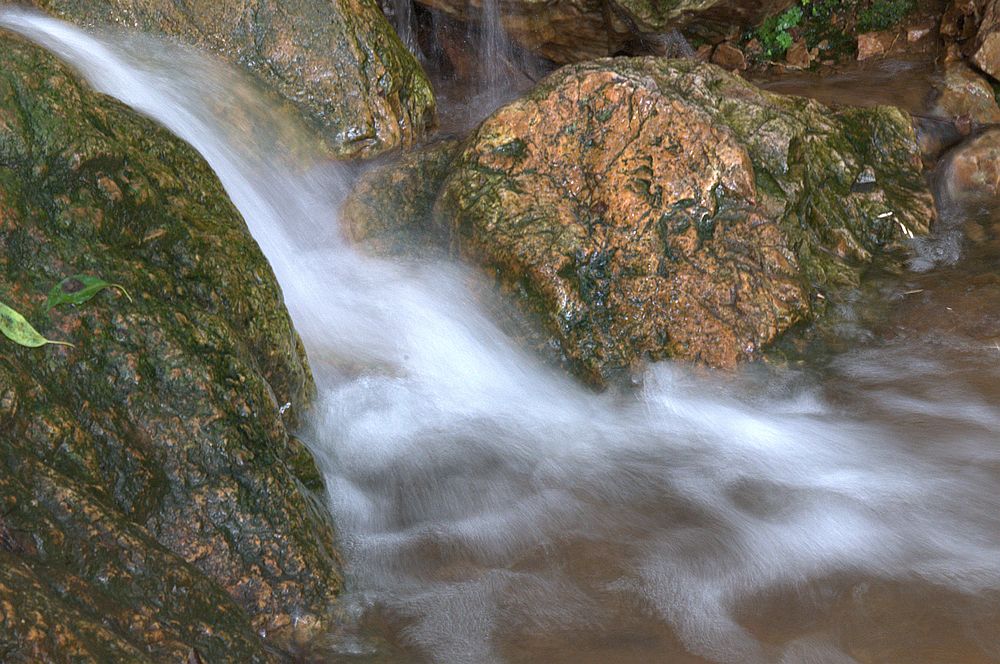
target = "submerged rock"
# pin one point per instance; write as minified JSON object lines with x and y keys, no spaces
{"x":390,"y":208}
{"x":152,"y":501}
{"x":574,"y":30}
{"x":654,"y":208}
{"x":338,"y":61}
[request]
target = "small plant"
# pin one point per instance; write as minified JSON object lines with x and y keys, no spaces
{"x":833,"y":23}
{"x":883,"y":14}
{"x":774,"y":34}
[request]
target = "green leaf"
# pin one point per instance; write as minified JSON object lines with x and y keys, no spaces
{"x":78,"y":289}
{"x":17,"y":329}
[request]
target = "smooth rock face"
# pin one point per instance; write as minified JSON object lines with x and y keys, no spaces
{"x":972,"y":170}
{"x":654,"y":208}
{"x":152,"y":500}
{"x":338,"y":61}
{"x":567,"y":31}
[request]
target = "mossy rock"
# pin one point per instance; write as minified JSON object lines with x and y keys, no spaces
{"x":152,"y":500}
{"x":649,"y":208}
{"x":338,"y":61}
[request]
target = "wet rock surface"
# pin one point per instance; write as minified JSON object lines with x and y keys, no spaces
{"x":653,"y":208}
{"x":962,"y":93}
{"x":568,"y":31}
{"x":339,"y":62}
{"x":153,"y":504}
{"x":389,"y":210}
{"x":972,"y":170}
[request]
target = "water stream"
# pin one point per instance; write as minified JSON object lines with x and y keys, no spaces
{"x":491,"y":510}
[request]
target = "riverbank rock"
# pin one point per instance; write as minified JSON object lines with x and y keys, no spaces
{"x":152,"y":503}
{"x":962,"y":93}
{"x":338,"y":61}
{"x":985,"y":52}
{"x":972,"y":170}
{"x":654,"y":208}
{"x":566,"y":31}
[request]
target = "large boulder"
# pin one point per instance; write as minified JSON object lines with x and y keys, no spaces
{"x":152,"y":501}
{"x":338,"y":61}
{"x":654,"y":208}
{"x":567,"y":31}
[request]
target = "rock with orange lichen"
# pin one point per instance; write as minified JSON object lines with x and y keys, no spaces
{"x":153,"y":500}
{"x":338,"y":61}
{"x":648,"y":208}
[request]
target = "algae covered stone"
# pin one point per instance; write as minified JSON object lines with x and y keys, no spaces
{"x":149,"y":487}
{"x":654,"y":208}
{"x":338,"y":61}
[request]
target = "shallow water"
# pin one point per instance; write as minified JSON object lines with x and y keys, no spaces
{"x":844,"y":509}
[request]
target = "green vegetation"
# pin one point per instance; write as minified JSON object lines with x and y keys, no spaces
{"x":883,"y":14}
{"x":832,"y":25}
{"x":775,"y":35}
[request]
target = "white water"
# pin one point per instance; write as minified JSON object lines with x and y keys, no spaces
{"x":483,"y":500}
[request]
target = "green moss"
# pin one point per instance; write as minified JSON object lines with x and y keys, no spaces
{"x":137,"y":448}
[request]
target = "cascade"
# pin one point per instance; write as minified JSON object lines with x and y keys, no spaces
{"x":487,"y":504}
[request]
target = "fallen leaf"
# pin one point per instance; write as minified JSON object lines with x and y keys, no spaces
{"x":17,"y":329}
{"x":79,"y":289}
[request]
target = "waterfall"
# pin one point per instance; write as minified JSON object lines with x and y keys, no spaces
{"x":486,"y":503}
{"x":400,"y":13}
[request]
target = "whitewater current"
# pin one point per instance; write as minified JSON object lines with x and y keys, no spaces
{"x":490,"y":509}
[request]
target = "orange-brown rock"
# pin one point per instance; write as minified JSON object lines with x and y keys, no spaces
{"x":654,"y":208}
{"x":972,"y":170}
{"x":728,"y":56}
{"x":986,"y":52}
{"x":874,"y":44}
{"x":798,"y":55}
{"x":962,"y":93}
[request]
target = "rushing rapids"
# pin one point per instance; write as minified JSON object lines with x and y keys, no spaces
{"x":492,"y":510}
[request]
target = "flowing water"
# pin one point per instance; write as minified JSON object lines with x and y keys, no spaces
{"x":846,"y":509}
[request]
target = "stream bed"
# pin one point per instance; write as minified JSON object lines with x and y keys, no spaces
{"x":844,"y":507}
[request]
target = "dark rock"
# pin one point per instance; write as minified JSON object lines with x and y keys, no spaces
{"x":150,"y":488}
{"x":338,"y":61}
{"x":574,"y":30}
{"x":390,"y":209}
{"x":654,"y":208}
